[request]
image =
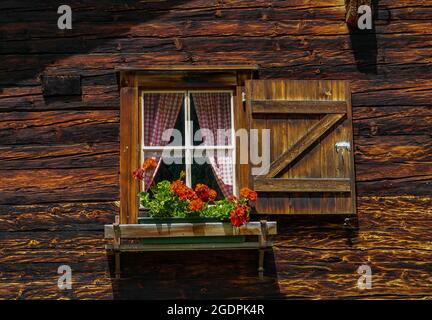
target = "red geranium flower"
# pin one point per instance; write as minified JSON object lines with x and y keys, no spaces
{"x":252,"y":196}
{"x":176,"y":186}
{"x":149,"y":164}
{"x":240,"y":215}
{"x":190,"y":194}
{"x":212,"y":195}
{"x":249,"y":194}
{"x":183,"y":191}
{"x":196,"y":205}
{"x":139,"y":174}
{"x":202,"y":191}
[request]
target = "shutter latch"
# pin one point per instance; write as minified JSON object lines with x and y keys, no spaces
{"x":244,"y":101}
{"x":342,"y":145}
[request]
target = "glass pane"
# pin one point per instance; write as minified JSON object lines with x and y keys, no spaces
{"x":211,"y":116}
{"x":163,"y":112}
{"x":169,"y":165}
{"x":215,"y":169}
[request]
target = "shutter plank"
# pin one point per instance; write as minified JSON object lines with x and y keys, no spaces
{"x":302,"y":185}
{"x":316,"y":132}
{"x":301,"y":106}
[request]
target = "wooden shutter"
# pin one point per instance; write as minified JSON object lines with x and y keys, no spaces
{"x":311,"y":149}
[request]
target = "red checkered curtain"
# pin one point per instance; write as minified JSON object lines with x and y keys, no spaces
{"x":160,"y":113}
{"x":214,"y":114}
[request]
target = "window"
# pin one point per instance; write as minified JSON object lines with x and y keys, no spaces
{"x":310,"y":164}
{"x":189,"y":99}
{"x":190,"y":131}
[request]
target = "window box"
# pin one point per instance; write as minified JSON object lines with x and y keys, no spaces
{"x":194,"y":239}
{"x":124,"y":238}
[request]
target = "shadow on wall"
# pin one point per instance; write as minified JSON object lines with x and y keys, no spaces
{"x":233,"y":274}
{"x":31,"y":41}
{"x":194,"y":275}
{"x":364,"y":44}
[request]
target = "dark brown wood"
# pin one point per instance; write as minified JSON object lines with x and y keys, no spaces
{"x":63,"y":156}
{"x":392,"y":120}
{"x":57,"y":216}
{"x":302,"y":185}
{"x":129,"y":151}
{"x":52,"y":185}
{"x":59,"y":127}
{"x":61,"y":85}
{"x":240,"y":123}
{"x":58,"y":155}
{"x":305,"y":156}
{"x":27,"y":265}
{"x":352,"y":10}
{"x":187,"y":67}
{"x":191,"y":80}
{"x":281,"y":106}
{"x":312,"y":135}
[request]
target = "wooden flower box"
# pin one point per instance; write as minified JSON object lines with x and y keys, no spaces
{"x":193,"y":239}
{"x":124,"y":237}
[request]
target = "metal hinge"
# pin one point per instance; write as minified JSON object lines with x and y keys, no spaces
{"x":342,"y":145}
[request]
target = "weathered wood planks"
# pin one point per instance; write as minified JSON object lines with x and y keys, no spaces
{"x":61,"y":127}
{"x":302,"y":185}
{"x":62,"y":156}
{"x":300,"y":107}
{"x":333,"y":256}
{"x":136,"y":231}
{"x":54,"y":185}
{"x":65,"y":151}
{"x":57,"y":216}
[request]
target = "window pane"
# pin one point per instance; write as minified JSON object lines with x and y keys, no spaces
{"x":214,"y":168}
{"x":211,"y":116}
{"x":162,"y":113}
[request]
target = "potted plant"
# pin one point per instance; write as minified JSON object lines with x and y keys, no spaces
{"x":175,"y":202}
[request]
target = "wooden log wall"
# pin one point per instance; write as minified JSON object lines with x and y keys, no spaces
{"x":59,"y":158}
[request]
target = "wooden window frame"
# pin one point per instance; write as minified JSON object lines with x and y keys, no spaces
{"x":133,"y":80}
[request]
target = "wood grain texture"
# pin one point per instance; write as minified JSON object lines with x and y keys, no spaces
{"x":133,"y":231}
{"x":51,"y":127}
{"x":302,"y":185}
{"x":352,"y":7}
{"x":62,"y":156}
{"x":52,"y":185}
{"x":312,"y":135}
{"x":59,"y":156}
{"x":400,"y":264}
{"x":129,"y":152}
{"x":301,"y":107}
{"x":298,"y":176}
{"x":94,"y":96}
{"x":57,"y":216}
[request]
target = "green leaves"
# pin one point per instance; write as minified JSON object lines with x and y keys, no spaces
{"x":160,"y":201}
{"x":221,"y":210}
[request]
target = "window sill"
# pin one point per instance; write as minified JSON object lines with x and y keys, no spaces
{"x":137,"y":231}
